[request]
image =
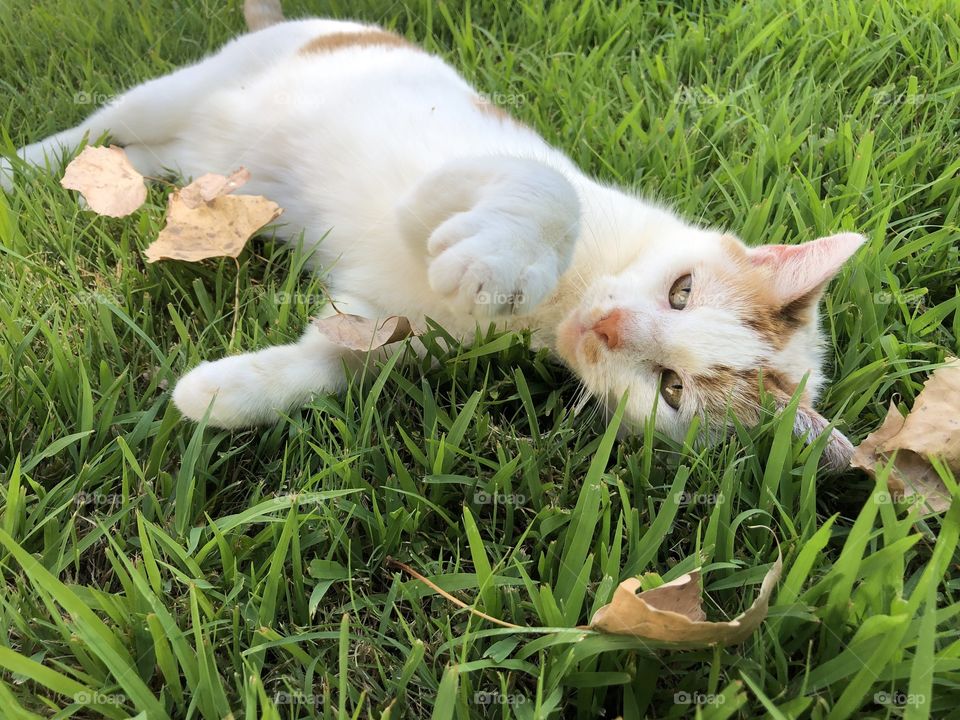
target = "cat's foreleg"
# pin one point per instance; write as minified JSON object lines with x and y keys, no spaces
{"x":496,"y":232}
{"x":257,"y":388}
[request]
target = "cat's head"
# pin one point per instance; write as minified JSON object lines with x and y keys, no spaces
{"x":697,"y":321}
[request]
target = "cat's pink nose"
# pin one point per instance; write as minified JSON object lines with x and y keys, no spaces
{"x":608,"y":328}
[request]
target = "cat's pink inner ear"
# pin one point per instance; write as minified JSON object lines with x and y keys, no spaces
{"x":801,"y":270}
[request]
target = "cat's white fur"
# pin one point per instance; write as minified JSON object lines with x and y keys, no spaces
{"x":430,"y":204}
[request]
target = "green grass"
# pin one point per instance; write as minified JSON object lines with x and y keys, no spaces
{"x":154,"y":568}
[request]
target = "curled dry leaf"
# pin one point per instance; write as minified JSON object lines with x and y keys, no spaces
{"x":931,"y":429}
{"x":217,"y":227}
{"x":207,"y":188}
{"x":673,"y":613}
{"x":106,"y":179}
{"x":360,"y":333}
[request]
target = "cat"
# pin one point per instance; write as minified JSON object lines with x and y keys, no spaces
{"x":421,"y":198}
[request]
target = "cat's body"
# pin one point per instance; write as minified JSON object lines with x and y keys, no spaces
{"x":431,"y":202}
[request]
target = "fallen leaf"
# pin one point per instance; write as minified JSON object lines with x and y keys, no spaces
{"x":209,"y":187}
{"x":215,"y":228}
{"x":360,"y":333}
{"x":673,"y":613}
{"x":107,"y":181}
{"x":931,"y":429}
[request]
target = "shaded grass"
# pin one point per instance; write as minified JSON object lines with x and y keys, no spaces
{"x":151,"y":566}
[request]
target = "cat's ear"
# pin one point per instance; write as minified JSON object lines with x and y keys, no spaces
{"x":838,"y":451}
{"x":802,"y":271}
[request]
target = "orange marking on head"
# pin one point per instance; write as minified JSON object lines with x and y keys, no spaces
{"x":363,"y":38}
{"x":755,"y":287}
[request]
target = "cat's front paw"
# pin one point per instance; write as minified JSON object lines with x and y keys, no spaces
{"x":235,"y":390}
{"x":488,"y":265}
{"x":496,"y":232}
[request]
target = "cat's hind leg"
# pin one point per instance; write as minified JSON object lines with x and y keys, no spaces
{"x":154,"y":113}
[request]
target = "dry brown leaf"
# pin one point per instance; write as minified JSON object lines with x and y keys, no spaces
{"x":931,"y":429}
{"x":209,"y":187}
{"x":107,"y":181}
{"x":218,"y":228}
{"x":360,"y":333}
{"x":673,"y":613}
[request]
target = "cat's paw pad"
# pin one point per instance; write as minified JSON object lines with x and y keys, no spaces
{"x":488,"y":266}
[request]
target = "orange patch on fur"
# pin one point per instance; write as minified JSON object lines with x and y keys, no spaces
{"x":591,"y":348}
{"x":755,"y":288}
{"x":362,"y":38}
{"x":724,"y":387}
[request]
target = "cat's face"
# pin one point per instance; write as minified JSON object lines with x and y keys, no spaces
{"x":696,"y":323}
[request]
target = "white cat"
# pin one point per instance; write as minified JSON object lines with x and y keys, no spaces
{"x":440,"y":205}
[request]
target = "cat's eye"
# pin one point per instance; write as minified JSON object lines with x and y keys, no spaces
{"x":680,"y":292}
{"x":671,"y":388}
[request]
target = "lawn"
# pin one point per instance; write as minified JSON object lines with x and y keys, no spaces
{"x":156,"y":569}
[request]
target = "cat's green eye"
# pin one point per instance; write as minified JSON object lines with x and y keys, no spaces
{"x":671,"y":388}
{"x":680,"y":292}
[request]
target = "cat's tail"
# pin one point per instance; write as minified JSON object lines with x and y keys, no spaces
{"x":262,"y":13}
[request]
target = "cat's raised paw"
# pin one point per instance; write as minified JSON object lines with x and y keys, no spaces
{"x":487,"y":265}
